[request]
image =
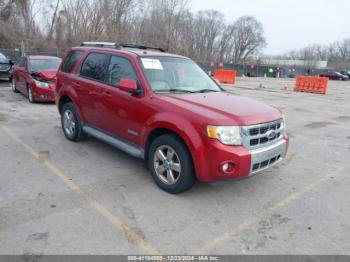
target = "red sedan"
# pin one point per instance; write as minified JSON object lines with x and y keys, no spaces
{"x":34,"y":76}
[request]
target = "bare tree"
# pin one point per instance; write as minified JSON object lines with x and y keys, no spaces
{"x":53,"y":21}
{"x":248,"y":38}
{"x":169,"y":24}
{"x":337,"y":54}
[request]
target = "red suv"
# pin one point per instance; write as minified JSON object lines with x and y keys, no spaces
{"x":165,"y":109}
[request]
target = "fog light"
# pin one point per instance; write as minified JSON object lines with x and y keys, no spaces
{"x":227,"y":167}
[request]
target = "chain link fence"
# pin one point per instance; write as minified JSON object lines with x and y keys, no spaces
{"x":254,"y":70}
{"x":250,"y":70}
{"x":15,"y":54}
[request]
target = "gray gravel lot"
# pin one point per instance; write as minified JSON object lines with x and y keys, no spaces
{"x":59,"y":197}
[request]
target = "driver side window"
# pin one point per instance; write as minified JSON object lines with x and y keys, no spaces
{"x":119,"y":68}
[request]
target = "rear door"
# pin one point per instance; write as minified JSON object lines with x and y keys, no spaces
{"x":88,"y":86}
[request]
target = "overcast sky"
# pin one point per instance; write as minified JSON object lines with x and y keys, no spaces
{"x":289,"y":24}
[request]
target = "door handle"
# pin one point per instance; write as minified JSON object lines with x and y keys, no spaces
{"x":106,"y":93}
{"x":76,"y":84}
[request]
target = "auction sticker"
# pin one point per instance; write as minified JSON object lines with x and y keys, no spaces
{"x":149,"y":63}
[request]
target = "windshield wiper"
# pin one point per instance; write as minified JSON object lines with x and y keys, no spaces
{"x":206,"y":91}
{"x":176,"y":90}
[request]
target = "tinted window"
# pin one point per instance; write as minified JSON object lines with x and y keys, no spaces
{"x":71,"y":60}
{"x":119,"y":68}
{"x":44,"y":64}
{"x":94,"y":67}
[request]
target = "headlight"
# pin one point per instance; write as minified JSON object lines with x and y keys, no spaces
{"x":41,"y":84}
{"x":228,"y":135}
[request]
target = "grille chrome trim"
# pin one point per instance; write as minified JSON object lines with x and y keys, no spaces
{"x":257,"y":136}
{"x":264,"y":158}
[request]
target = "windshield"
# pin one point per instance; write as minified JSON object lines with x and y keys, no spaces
{"x":44,"y":64}
{"x":3,"y":58}
{"x":171,"y":74}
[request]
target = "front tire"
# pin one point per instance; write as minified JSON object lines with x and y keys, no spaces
{"x":30,"y":94}
{"x":71,"y":124}
{"x":171,"y":164}
{"x":13,"y":85}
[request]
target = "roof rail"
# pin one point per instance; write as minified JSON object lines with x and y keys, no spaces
{"x":101,"y":44}
{"x":119,"y":46}
{"x":142,"y":47}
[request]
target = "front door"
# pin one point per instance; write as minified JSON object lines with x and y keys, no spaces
{"x":124,"y":114}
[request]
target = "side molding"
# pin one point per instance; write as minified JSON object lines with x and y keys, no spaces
{"x":116,"y":142}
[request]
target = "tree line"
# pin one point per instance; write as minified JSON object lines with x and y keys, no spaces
{"x":337,"y":54}
{"x":46,"y":25}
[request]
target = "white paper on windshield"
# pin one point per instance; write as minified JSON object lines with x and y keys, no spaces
{"x":149,"y":63}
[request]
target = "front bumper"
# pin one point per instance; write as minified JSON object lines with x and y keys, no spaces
{"x":44,"y":94}
{"x":266,"y":157}
{"x":244,"y":162}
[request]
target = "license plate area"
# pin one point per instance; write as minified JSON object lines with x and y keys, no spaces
{"x":264,"y":158}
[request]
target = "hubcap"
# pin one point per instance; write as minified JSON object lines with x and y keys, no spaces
{"x":69,"y":123}
{"x":167,"y":165}
{"x":13,"y":84}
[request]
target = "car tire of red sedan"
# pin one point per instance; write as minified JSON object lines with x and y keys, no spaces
{"x":71,"y":124}
{"x":30,"y":94}
{"x":171,"y":164}
{"x":13,"y":85}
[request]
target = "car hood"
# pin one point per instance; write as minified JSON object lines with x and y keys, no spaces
{"x":46,"y":74}
{"x":224,"y":108}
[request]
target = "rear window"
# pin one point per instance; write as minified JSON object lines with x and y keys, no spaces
{"x":70,"y":61}
{"x":94,"y":67}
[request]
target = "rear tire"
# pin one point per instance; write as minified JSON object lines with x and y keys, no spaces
{"x":71,"y":124}
{"x":13,"y":85}
{"x":170,"y":164}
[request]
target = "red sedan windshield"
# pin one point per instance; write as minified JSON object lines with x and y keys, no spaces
{"x":44,"y":64}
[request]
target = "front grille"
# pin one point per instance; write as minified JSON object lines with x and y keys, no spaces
{"x":266,"y":163}
{"x":263,"y":134}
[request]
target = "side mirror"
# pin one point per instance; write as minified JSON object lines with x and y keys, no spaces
{"x":128,"y":85}
{"x":11,"y":62}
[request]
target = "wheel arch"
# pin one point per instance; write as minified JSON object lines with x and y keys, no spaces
{"x":157,"y":132}
{"x":63,"y":100}
{"x":66,"y":98}
{"x":185,"y":131}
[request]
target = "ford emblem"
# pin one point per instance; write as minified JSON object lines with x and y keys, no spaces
{"x":271,"y":134}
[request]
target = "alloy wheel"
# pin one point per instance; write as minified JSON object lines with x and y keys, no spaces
{"x":167,"y":164}
{"x":69,"y":123}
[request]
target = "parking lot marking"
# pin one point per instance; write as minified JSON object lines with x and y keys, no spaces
{"x":208,"y":247}
{"x":112,"y":219}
